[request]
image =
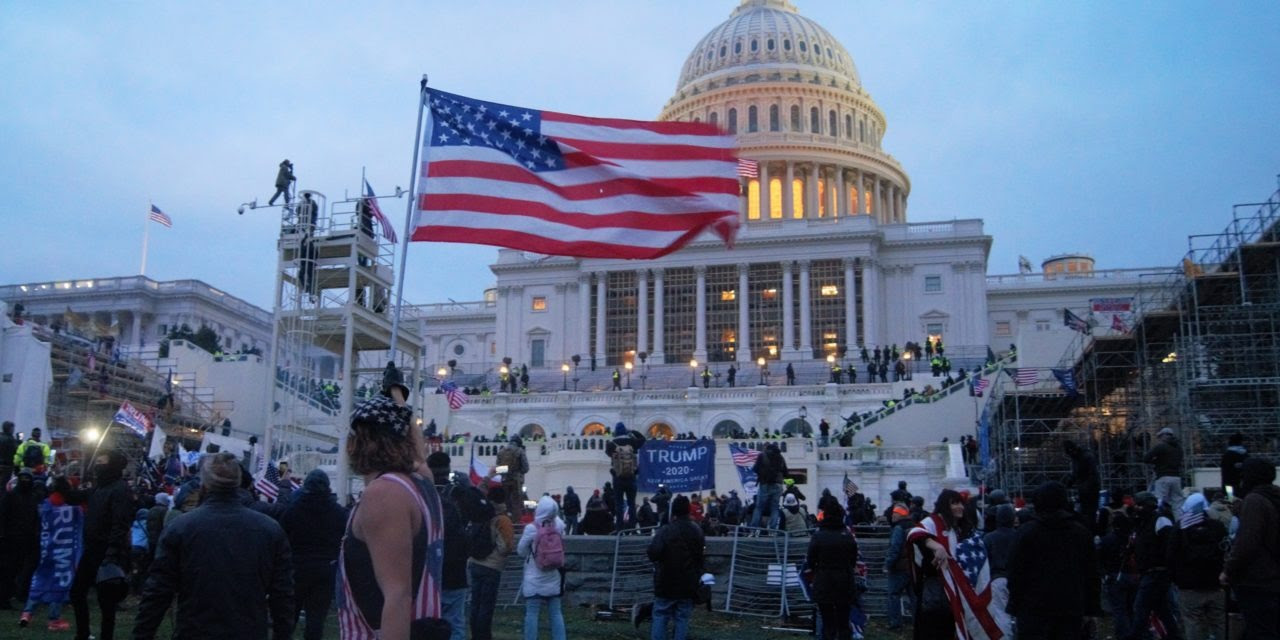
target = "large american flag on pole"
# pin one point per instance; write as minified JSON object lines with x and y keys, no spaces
{"x":454,"y":395}
{"x":744,"y":460}
{"x":561,"y":184}
{"x":966,"y":581}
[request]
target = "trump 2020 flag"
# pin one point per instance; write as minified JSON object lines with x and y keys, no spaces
{"x":568,"y":185}
{"x":744,"y":460}
{"x":132,"y":418}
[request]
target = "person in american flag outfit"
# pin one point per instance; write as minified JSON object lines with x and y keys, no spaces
{"x":953,"y":577}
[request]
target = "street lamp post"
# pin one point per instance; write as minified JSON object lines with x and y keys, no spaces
{"x":831,"y":366}
{"x":628,"y":366}
{"x":911,"y":370}
{"x":693,"y":372}
{"x":503,"y":377}
{"x":564,"y":369}
{"x":764,"y":371}
{"x":576,"y":360}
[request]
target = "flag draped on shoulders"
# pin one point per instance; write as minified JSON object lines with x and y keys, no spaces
{"x":561,"y":184}
{"x":966,"y":580}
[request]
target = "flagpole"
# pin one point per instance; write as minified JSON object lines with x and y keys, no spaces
{"x":146,"y":228}
{"x":408,"y":217}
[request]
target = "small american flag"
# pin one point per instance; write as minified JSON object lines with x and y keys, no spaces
{"x":266,"y":485}
{"x":371,"y":200}
{"x":455,"y":395}
{"x":849,"y":487}
{"x":1025,"y":376}
{"x":567,"y":185}
{"x":980,"y":385}
{"x":1075,"y":322}
{"x":742,"y":456}
{"x":748,"y":168}
{"x":160,"y":216}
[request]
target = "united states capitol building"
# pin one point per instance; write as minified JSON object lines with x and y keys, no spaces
{"x":827,"y":262}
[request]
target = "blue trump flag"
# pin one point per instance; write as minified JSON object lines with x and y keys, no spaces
{"x":61,"y":532}
{"x":682,"y":465}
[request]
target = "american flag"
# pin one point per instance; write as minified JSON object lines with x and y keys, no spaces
{"x":748,"y":168}
{"x":980,"y":385}
{"x":743,"y":460}
{"x":1075,"y":322}
{"x":455,"y":395}
{"x":371,"y":200}
{"x":1118,"y":325}
{"x":849,"y":487}
{"x":266,"y":484}
{"x":966,"y":581}
{"x":561,"y":184}
{"x":160,"y":216}
{"x":1024,"y":376}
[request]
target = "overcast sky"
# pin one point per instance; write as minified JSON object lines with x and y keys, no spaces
{"x":1116,"y":129}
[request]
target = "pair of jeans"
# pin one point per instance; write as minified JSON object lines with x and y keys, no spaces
{"x":1168,"y":490}
{"x":1261,"y":615}
{"x":453,"y":608}
{"x":671,"y":612}
{"x":835,"y":621}
{"x":484,"y":599}
{"x":1153,"y":597}
{"x":624,"y":489}
{"x":86,"y":577}
{"x":1203,"y":612}
{"x":313,"y":589}
{"x":766,"y":504}
{"x":533,"y":611}
{"x":55,"y":609}
{"x":899,"y":586}
{"x":1120,"y":593}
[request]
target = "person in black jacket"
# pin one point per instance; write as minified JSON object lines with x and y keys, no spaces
{"x":1151,"y":554}
{"x":833,"y":558}
{"x":107,"y":544}
{"x":19,"y":538}
{"x":771,"y":470}
{"x":8,"y":448}
{"x":1232,"y":458}
{"x":571,"y":509}
{"x":677,"y":554}
{"x":314,"y":524}
{"x":1053,"y":582}
{"x":1086,"y":480}
{"x":1196,"y":549}
{"x":1165,"y":459}
{"x":453,"y":574}
{"x":229,"y":566}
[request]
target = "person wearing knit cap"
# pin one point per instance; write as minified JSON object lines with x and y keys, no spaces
{"x":1252,"y":568}
{"x":1195,"y":561}
{"x":833,"y":557}
{"x":314,"y":524}
{"x":677,"y":553}
{"x":228,"y":565}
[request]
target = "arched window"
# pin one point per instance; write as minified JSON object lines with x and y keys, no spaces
{"x":723,"y":50}
{"x":725,"y":429}
{"x":753,"y":123}
{"x":815,"y":121}
{"x":795,"y":117}
{"x":769,"y":44}
{"x":848,"y":126}
{"x":797,"y":427}
{"x":786,"y":44}
{"x":832,"y":129}
{"x":803,"y":48}
{"x":661,"y":430}
{"x":755,"y":46}
{"x":594,"y":429}
{"x":737,"y":48}
{"x":733,"y":121}
{"x":697,"y":118}
{"x":532,"y":431}
{"x":714,"y":118}
{"x":774,"y":124}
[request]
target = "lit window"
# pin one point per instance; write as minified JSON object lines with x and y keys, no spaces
{"x":728,"y":295}
{"x":830,"y":290}
{"x":934,"y":329}
{"x":539,"y":303}
{"x":775,"y":198}
{"x":797,"y":198}
{"x":829,"y":335}
{"x":933,"y":284}
{"x":1004,"y":329}
{"x":770,"y":294}
{"x":753,"y":200}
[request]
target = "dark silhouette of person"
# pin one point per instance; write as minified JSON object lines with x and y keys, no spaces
{"x":732,"y":375}
{"x":791,"y":375}
{"x":283,"y":178}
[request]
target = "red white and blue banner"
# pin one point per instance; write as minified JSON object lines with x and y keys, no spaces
{"x":136,"y":420}
{"x":744,"y":460}
{"x":681,"y":465}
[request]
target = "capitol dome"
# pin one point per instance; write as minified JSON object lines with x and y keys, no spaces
{"x":792,"y":94}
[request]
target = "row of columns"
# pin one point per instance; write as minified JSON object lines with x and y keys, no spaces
{"x":888,"y":200}
{"x":789,"y":348}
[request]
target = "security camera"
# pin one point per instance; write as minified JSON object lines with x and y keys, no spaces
{"x":240,"y":210}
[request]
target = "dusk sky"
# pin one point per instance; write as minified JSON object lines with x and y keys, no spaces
{"x":1114,"y":129}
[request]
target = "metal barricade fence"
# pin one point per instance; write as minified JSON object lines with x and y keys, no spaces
{"x":632,"y":576}
{"x":764,"y":573}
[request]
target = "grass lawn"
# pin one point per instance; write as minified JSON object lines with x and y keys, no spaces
{"x":508,"y":624}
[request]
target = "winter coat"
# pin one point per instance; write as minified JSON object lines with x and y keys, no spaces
{"x":1166,"y":458}
{"x":1151,"y":542}
{"x":8,"y":448}
{"x":833,"y":557}
{"x":537,"y":581}
{"x":1232,"y":457}
{"x":314,"y":524}
{"x":108,"y":520}
{"x":572,"y":503}
{"x":20,"y":516}
{"x":229,"y":568}
{"x":770,"y":468}
{"x":677,"y":553}
{"x":504,"y":539}
{"x":1000,"y":542}
{"x":1196,"y":555}
{"x":1255,"y":553}
{"x":1056,"y":545}
{"x":795,"y":523}
{"x":453,"y":575}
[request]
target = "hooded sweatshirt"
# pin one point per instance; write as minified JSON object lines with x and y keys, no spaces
{"x":539,"y":582}
{"x":1255,"y":554}
{"x":1196,"y":547}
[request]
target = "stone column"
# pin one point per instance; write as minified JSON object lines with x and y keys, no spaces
{"x":744,"y":315}
{"x":658,"y":353}
{"x":806,"y":342}
{"x":788,"y":315}
{"x":859,"y":192}
{"x":842,"y":209}
{"x":850,"y":306}
{"x":135,"y":337}
{"x":877,"y":209}
{"x":584,"y":315}
{"x":601,"y":302}
{"x":902,"y":194}
{"x":642,"y":311}
{"x":765,"y":200}
{"x":870,"y":303}
{"x":788,"y":193}
{"x":811,"y":192}
{"x":700,"y":313}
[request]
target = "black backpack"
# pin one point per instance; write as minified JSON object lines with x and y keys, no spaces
{"x":480,"y":542}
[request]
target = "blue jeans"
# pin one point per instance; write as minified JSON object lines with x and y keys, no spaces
{"x":453,"y":608}
{"x":766,"y":504}
{"x":55,"y":609}
{"x":484,"y":599}
{"x":533,"y":610}
{"x":1153,"y":597}
{"x":624,"y":492}
{"x":899,"y":585}
{"x":664,"y":611}
{"x":1119,"y":594}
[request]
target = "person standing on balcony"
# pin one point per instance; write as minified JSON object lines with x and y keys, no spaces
{"x":732,"y":375}
{"x":791,"y":375}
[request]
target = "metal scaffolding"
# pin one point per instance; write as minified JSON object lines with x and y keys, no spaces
{"x":1202,"y":357}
